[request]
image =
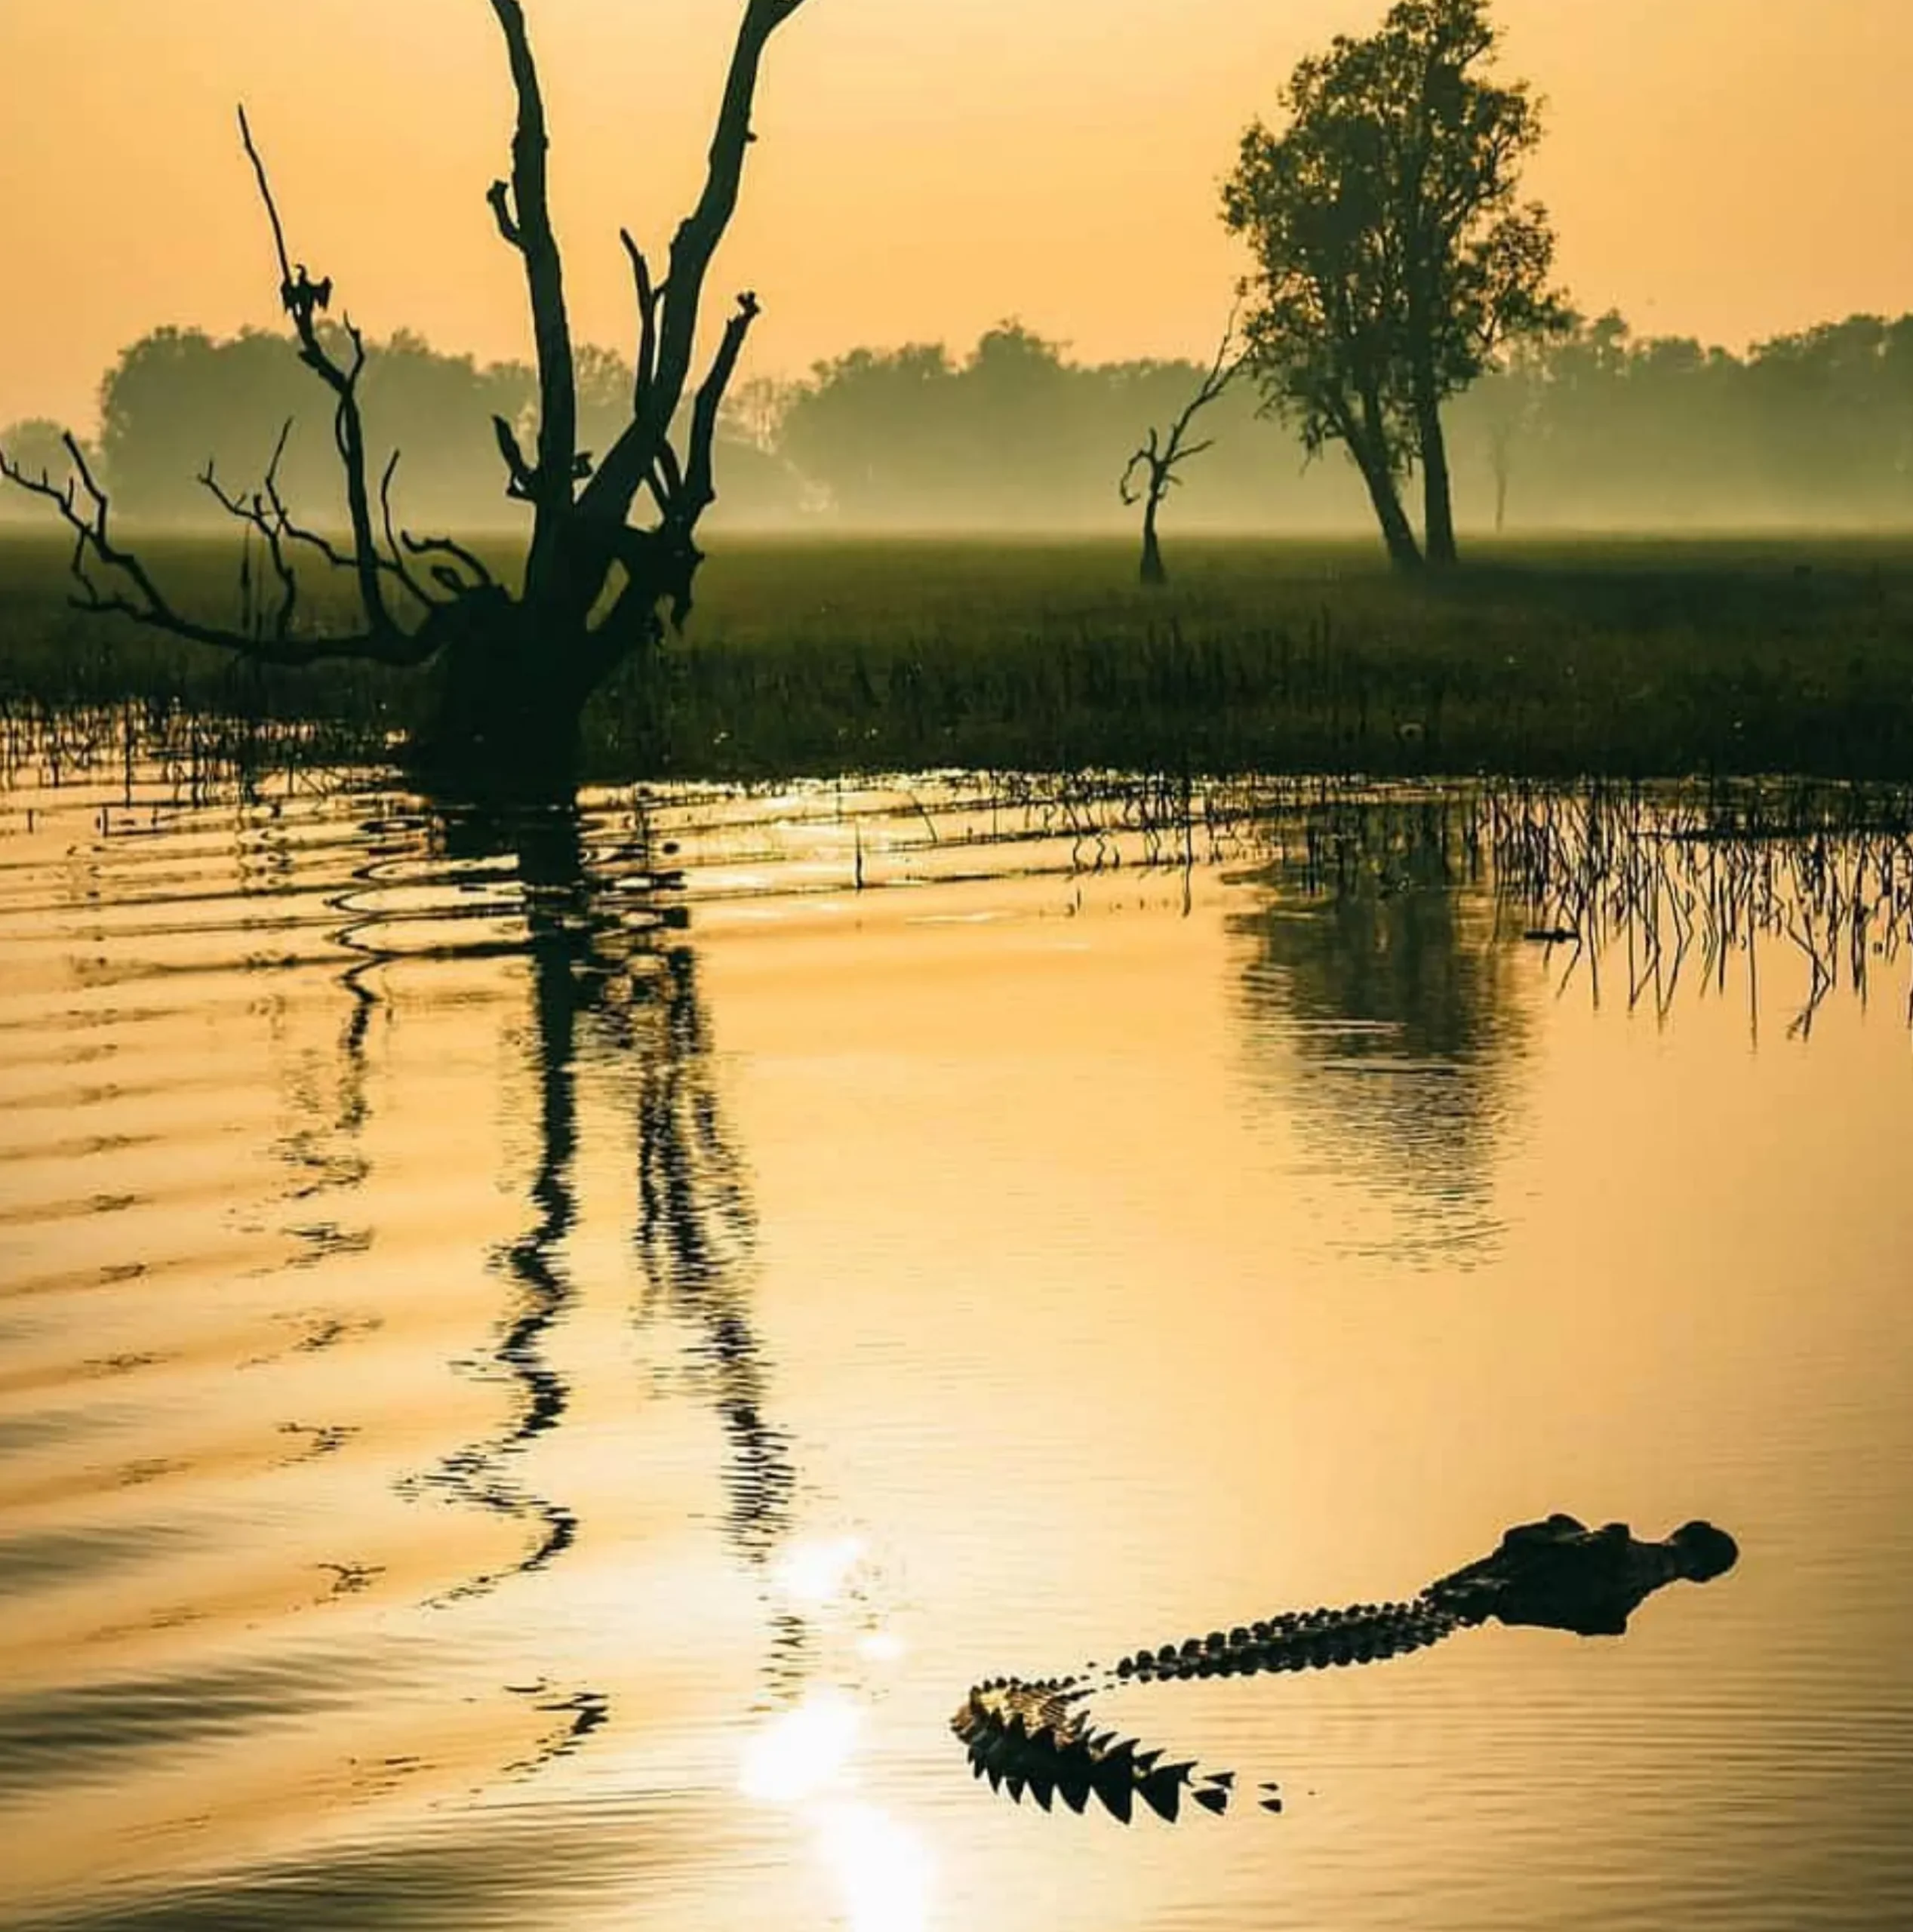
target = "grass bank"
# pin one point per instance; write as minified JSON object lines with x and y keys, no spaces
{"x":1622,"y":658}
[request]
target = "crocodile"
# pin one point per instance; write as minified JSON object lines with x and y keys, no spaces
{"x":1038,"y":1736}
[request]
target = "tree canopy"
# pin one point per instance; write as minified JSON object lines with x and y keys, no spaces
{"x":1393,"y":255}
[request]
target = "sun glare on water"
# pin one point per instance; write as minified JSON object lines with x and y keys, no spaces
{"x":805,"y":1757}
{"x":802,"y":1753}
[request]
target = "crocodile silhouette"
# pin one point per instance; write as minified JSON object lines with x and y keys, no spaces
{"x":1038,"y":1736}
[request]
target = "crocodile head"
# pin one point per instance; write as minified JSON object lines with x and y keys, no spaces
{"x":1559,"y":1575}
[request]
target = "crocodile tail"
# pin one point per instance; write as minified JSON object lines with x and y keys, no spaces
{"x":1035,"y":1737}
{"x":1024,"y":1741}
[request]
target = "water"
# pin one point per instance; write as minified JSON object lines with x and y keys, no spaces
{"x":529,"y":1387}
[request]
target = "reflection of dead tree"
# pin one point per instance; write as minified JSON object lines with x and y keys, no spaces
{"x":548,"y":852}
{"x":1159,"y":458}
{"x":608,"y":965}
{"x":606,"y":954}
{"x":518,"y":664}
{"x":695,"y":1236}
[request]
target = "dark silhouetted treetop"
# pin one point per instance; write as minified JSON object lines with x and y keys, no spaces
{"x":1393,"y":257}
{"x":517,"y":664}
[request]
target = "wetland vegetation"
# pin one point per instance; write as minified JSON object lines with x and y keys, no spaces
{"x":1643,"y":658}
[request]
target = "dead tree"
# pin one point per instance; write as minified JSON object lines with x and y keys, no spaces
{"x":515,"y":666}
{"x":1159,"y":457}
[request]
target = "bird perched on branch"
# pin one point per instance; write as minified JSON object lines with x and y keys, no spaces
{"x":302,"y":296}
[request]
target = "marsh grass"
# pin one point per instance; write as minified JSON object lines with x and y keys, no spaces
{"x":1621,"y":658}
{"x":1638,"y":887}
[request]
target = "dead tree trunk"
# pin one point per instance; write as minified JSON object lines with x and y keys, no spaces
{"x":1159,"y":458}
{"x":1155,"y":572}
{"x":515,"y":668}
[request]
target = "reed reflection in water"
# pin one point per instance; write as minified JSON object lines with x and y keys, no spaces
{"x":532,"y":1383}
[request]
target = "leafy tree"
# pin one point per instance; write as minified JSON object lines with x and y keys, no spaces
{"x":1393,"y":256}
{"x":179,"y":403}
{"x":177,"y":400}
{"x":37,"y":447}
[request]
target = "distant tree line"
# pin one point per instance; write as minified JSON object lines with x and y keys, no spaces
{"x":1596,"y":427}
{"x":179,"y":401}
{"x":1591,"y":426}
{"x":1601,"y":429}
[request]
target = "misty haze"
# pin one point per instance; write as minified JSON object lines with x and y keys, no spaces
{"x":956,"y":966}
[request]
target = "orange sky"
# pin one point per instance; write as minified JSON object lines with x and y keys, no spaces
{"x":1730,"y":168}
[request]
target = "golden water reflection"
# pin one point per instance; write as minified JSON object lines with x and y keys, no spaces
{"x":804,"y":1759}
{"x":536,"y":1417}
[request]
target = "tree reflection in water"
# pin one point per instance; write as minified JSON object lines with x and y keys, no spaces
{"x":1380,"y":990}
{"x":609,"y":954}
{"x":610,"y":957}
{"x":1389,"y":950}
{"x":614,"y":983}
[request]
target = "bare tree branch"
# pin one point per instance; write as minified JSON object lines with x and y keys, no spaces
{"x":645,"y":367}
{"x":481,"y":578}
{"x":266,"y":513}
{"x":700,"y":490}
{"x":412,"y":586}
{"x":303,"y":299}
{"x":499,"y":195}
{"x":1145,"y":459}
{"x":522,"y":487}
{"x":553,"y":475}
{"x":608,"y":497}
{"x":94,"y":546}
{"x":667,"y":480}
{"x":1159,"y":459}
{"x":271,"y":530}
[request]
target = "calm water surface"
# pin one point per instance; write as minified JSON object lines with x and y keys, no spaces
{"x":529,"y":1386}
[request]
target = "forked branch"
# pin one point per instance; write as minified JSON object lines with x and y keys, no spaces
{"x":699,"y":490}
{"x":1159,"y":458}
{"x":305,"y":300}
{"x":85,"y":510}
{"x":645,"y":365}
{"x":607,"y":499}
{"x":1151,"y":472}
{"x":524,"y":219}
{"x":263,"y":512}
{"x":113,"y":579}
